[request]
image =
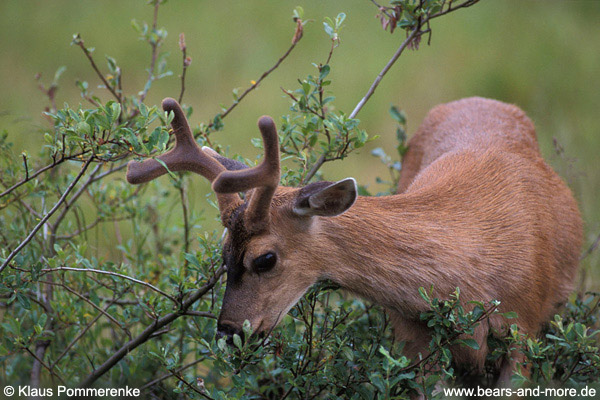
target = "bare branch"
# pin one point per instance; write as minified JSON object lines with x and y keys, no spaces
{"x":79,"y":42}
{"x":186,"y":63}
{"x":384,"y":71}
{"x":257,"y":82}
{"x":38,"y":172}
{"x":98,"y":271}
{"x":87,"y":228}
{"x":415,"y":33}
{"x":170,"y":374}
{"x":315,"y":168}
{"x":154,"y":46}
{"x":42,"y":363}
{"x":72,"y":200}
{"x":91,"y":303}
{"x":46,"y":217}
{"x":80,"y":335}
{"x":591,"y":249}
{"x":147,"y":333}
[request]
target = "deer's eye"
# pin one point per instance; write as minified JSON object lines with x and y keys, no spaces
{"x":264,"y":263}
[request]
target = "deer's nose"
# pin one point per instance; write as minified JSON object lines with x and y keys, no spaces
{"x":226,"y":330}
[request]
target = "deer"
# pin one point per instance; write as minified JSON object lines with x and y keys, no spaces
{"x":477,"y":207}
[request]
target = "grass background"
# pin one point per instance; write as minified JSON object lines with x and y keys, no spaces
{"x":541,"y":55}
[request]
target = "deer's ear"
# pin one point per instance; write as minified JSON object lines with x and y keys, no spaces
{"x":325,"y":198}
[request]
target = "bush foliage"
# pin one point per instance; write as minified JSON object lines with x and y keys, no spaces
{"x":147,"y":318}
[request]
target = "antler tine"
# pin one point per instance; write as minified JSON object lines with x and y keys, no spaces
{"x":264,"y":177}
{"x":185,"y":156}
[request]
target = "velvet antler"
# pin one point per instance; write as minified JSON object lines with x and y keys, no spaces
{"x":188,"y":156}
{"x":264,"y":178}
{"x":185,"y":156}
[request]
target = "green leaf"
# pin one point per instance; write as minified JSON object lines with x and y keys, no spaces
{"x":329,"y":30}
{"x":116,"y":111}
{"x":171,"y":174}
{"x":469,"y":343}
{"x":424,"y":294}
{"x":237,"y":341}
{"x":324,"y":72}
{"x":42,"y":321}
{"x":85,"y":128}
{"x":398,"y":115}
{"x":23,"y":301}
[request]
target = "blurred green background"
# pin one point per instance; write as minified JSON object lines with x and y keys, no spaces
{"x":543,"y":56}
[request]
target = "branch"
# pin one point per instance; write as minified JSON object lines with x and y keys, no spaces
{"x":88,"y":227}
{"x":38,"y":172}
{"x":189,"y":385}
{"x":257,"y":82}
{"x":315,"y":168}
{"x":79,"y":41}
{"x":73,"y":199}
{"x":80,"y":335}
{"x":162,"y":378}
{"x":99,"y":271}
{"x":43,"y":364}
{"x":416,"y":32}
{"x":186,"y":63}
{"x":154,"y":53}
{"x":147,"y":333}
{"x":46,"y":217}
{"x":110,"y":171}
{"x":384,"y":71}
{"x":91,"y":303}
{"x":590,"y":249}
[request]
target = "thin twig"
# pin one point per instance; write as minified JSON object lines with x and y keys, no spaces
{"x":315,"y":168}
{"x":154,"y":46}
{"x":110,"y":171}
{"x":186,"y":63}
{"x":590,"y":249}
{"x":46,"y":217}
{"x":26,"y":167}
{"x":189,"y":385}
{"x":91,"y":303}
{"x":170,"y":374}
{"x":203,"y":314}
{"x":98,"y":271}
{"x":43,"y":364}
{"x":384,"y":71}
{"x":186,"y":222}
{"x":38,"y":172}
{"x":71,"y":201}
{"x":256,"y":83}
{"x":79,"y":42}
{"x":80,"y":335}
{"x":414,"y":33}
{"x":147,"y":333}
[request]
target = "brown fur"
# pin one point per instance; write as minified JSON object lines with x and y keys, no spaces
{"x":478,"y":208}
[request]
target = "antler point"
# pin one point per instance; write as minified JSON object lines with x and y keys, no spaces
{"x":266,"y":122}
{"x":169,"y":104}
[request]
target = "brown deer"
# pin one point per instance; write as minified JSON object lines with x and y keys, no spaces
{"x":478,"y":208}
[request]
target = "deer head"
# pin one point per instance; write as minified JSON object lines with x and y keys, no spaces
{"x":269,"y":233}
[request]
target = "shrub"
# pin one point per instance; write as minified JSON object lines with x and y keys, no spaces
{"x":147,"y":318}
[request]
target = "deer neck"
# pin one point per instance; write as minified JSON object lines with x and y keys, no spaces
{"x":384,"y":249}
